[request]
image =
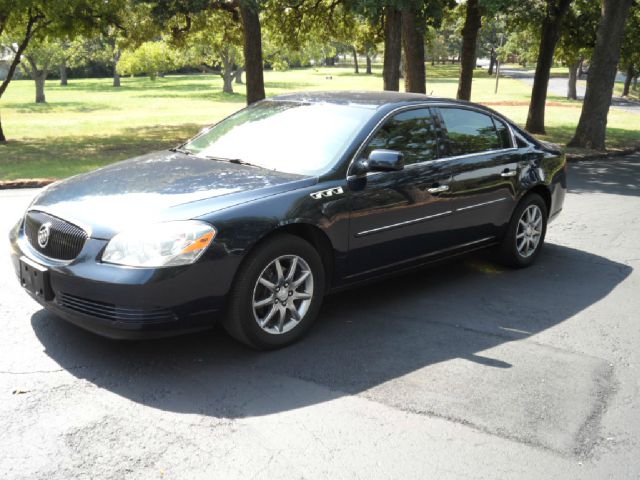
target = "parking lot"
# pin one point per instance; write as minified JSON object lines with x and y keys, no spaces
{"x":465,"y":370}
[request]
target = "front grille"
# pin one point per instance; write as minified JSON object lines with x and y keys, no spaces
{"x":109,"y":311}
{"x":65,"y":239}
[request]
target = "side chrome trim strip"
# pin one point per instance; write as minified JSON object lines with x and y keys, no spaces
{"x":428,"y":217}
{"x":477,"y":205}
{"x":402,"y":224}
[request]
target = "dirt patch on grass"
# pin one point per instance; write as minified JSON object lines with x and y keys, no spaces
{"x":525,"y":103}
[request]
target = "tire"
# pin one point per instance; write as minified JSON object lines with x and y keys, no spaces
{"x":509,"y":252}
{"x":260,"y":327}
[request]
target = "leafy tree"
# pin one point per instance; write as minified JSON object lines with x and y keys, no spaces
{"x":475,"y":10}
{"x":630,"y":51}
{"x":150,"y":58}
{"x":216,"y":40}
{"x":578,"y":39}
{"x":491,"y":36}
{"x":38,"y":60}
{"x":178,"y":15}
{"x":592,"y":126}
{"x":26,"y":20}
{"x":552,"y":21}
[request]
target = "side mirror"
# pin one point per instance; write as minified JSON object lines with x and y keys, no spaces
{"x":380,"y":161}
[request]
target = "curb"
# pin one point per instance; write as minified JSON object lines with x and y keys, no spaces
{"x":26,"y":183}
{"x":580,"y":157}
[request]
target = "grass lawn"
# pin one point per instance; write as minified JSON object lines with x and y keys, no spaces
{"x":89,"y":123}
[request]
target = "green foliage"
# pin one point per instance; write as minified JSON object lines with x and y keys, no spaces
{"x":150,"y":58}
{"x":579,"y":31}
{"x":42,"y":55}
{"x":630,"y":51}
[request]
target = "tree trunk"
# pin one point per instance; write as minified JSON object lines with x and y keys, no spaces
{"x":116,"y":75}
{"x":592,"y":126}
{"x":572,"y":91}
{"x":472,"y":24}
{"x":635,"y":82}
{"x":551,"y":29}
{"x":627,"y":80}
{"x":227,"y":72}
{"x":369,"y":64}
{"x":252,"y":37}
{"x":18,"y":54}
{"x":3,"y":139}
{"x":40,"y":77}
{"x":392,"y":49}
{"x":356,"y":67}
{"x":581,"y":72}
{"x":237,"y":75}
{"x":413,"y":45}
{"x":63,"y":73}
{"x":492,"y":60}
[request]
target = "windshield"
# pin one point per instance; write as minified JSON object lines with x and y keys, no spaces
{"x":302,"y":138}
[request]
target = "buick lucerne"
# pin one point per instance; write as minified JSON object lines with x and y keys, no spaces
{"x":255,"y":219}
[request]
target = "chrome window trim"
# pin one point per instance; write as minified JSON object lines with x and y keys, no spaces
{"x":416,"y":106}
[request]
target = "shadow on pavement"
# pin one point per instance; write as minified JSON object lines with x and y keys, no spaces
{"x":363,"y":338}
{"x":617,"y":176}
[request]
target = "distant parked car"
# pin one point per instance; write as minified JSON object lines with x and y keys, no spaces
{"x":254,"y":220}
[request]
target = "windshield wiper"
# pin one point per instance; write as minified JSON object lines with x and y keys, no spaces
{"x":181,"y":150}
{"x":237,"y":161}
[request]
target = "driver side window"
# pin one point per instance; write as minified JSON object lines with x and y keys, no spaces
{"x":411,"y":132}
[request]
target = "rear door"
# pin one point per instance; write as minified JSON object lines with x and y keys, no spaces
{"x":484,"y":167}
{"x":398,"y":216}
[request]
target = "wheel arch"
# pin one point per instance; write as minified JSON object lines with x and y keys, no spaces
{"x":312,"y":235}
{"x":544,"y":192}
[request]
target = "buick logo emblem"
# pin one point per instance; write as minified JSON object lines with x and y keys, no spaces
{"x":43,"y":234}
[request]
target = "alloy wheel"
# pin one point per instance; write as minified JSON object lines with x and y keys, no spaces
{"x":282,"y":294}
{"x":529,"y":231}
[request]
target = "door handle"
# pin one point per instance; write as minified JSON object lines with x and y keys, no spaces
{"x":508,"y":173}
{"x":438,"y":189}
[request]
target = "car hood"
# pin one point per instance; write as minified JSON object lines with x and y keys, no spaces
{"x":160,"y":186}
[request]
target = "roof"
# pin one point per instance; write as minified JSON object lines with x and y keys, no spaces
{"x":365,"y":98}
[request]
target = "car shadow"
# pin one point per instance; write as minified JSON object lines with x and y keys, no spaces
{"x":364,"y":337}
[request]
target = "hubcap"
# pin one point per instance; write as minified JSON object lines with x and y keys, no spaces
{"x":529,"y":231}
{"x":282,"y":295}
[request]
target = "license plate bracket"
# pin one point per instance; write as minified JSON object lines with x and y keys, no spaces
{"x":35,"y":279}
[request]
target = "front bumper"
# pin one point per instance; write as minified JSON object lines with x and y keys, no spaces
{"x":131,"y":303}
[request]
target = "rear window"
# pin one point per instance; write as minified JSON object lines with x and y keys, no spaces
{"x":469,"y":132}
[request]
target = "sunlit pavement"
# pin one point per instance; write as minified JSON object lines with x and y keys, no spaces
{"x":463,"y":371}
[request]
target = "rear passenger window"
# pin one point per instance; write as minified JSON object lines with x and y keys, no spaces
{"x":411,"y":132}
{"x":503,"y":133}
{"x":469,"y":131}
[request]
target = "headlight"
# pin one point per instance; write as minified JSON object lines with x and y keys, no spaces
{"x":160,"y":245}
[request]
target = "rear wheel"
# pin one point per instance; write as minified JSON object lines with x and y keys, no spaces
{"x":277,"y":294}
{"x":525,"y":234}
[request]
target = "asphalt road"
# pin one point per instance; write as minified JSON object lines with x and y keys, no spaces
{"x":464,"y":371}
{"x":558,"y":86}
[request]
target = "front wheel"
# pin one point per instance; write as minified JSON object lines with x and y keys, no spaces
{"x":277,"y":294}
{"x":525,"y":233}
